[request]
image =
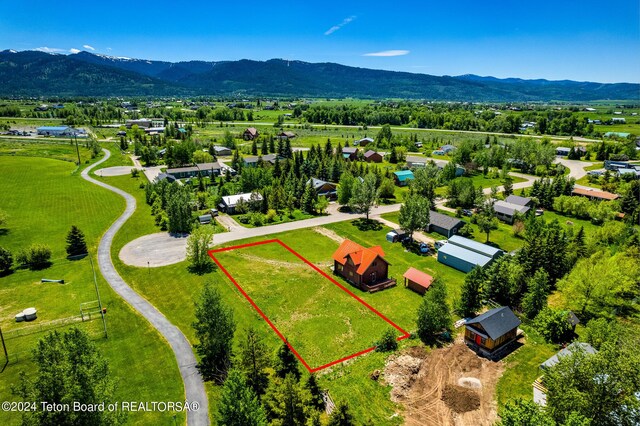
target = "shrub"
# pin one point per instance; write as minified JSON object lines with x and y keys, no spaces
{"x":6,"y":261}
{"x":37,"y":256}
{"x":271,"y":215}
{"x":387,"y":342}
{"x":257,"y":219}
{"x":243,"y":218}
{"x":553,"y":325}
{"x":134,"y":173}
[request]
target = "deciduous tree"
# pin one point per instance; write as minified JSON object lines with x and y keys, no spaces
{"x":414,"y":214}
{"x":197,"y":249}
{"x":434,"y":316}
{"x":365,"y":195}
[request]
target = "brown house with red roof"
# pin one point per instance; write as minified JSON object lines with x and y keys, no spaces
{"x":417,"y":281}
{"x":365,"y":268}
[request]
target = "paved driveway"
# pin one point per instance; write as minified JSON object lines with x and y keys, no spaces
{"x":193,"y":384}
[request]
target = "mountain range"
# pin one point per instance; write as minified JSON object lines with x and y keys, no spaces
{"x":34,"y":73}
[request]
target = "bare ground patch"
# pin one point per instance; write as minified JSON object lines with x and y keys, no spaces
{"x":449,"y":386}
{"x":329,"y":234}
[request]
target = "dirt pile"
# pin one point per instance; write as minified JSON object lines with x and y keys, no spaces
{"x":460,"y":399}
{"x":446,"y":386}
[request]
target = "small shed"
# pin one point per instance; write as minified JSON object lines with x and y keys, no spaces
{"x":396,"y":235}
{"x":403,"y":177}
{"x":417,"y":280}
{"x":372,"y":156}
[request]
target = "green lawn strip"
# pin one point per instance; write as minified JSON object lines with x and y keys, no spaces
{"x":283,"y":218}
{"x":43,"y":199}
{"x":46,"y":199}
{"x":47,"y":149}
{"x":118,"y":158}
{"x":523,"y":367}
{"x":320,"y":320}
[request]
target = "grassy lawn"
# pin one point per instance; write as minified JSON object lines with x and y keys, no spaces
{"x":522,"y":367}
{"x":321,"y":321}
{"x":283,"y":218}
{"x":50,"y":149}
{"x":46,"y":198}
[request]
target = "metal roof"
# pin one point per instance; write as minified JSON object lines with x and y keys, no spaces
{"x":465,"y":254}
{"x":404,"y":175}
{"x":474,"y":246}
{"x":232,"y":200}
{"x":504,"y":207}
{"x":496,"y":322}
{"x":515,"y":199}
{"x":53,"y":128}
{"x":575,"y":346}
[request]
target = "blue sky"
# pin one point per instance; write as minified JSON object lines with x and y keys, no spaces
{"x":586,"y":41}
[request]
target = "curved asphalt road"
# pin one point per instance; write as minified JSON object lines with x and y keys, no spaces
{"x":193,"y":384}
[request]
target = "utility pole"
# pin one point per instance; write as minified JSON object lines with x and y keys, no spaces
{"x":95,"y":283}
{"x":6,"y":355}
{"x":75,"y":137}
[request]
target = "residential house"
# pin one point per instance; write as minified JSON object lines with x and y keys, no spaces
{"x":403,"y":177}
{"x":539,"y":389}
{"x":464,"y":254}
{"x":618,"y":120}
{"x":492,"y":331}
{"x":250,"y":134}
{"x":350,"y":153}
{"x":513,"y":205}
{"x":229,"y":202}
{"x":372,"y":157}
{"x":366,"y":268}
{"x":252,"y":161}
{"x":417,"y":280}
{"x":622,"y":135}
{"x":164,"y":176}
{"x":414,"y":162}
{"x":363,"y":142}
{"x":438,"y":152}
{"x":202,"y":169}
{"x":286,"y":135}
{"x":324,"y":189}
{"x":443,"y":224}
{"x":563,"y":150}
{"x":447,"y":148}
{"x":594,"y":194}
{"x":145,"y":123}
{"x":221,"y":150}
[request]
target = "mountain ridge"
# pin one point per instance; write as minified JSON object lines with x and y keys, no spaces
{"x":34,"y":73}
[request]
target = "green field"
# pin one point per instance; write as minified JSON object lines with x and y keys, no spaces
{"x":321,"y":321}
{"x":43,"y":198}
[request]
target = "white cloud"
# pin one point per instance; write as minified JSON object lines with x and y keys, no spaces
{"x":49,"y":49}
{"x":74,"y":50}
{"x":109,"y":49}
{"x":335,"y":28}
{"x":86,"y":46}
{"x":388,"y":53}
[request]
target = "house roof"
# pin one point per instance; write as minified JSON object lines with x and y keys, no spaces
{"x":447,"y":146}
{"x":366,"y":140}
{"x":219,"y":148}
{"x":414,"y":159}
{"x":418,"y":277}
{"x":360,"y":256}
{"x":510,"y":209}
{"x":252,"y":130}
{"x":319,"y":183}
{"x":496,"y":322}
{"x":254,"y":159}
{"x":287,"y":134}
{"x":515,"y":199}
{"x":232,"y":200}
{"x":403,"y":175}
{"x":53,"y":128}
{"x":348,"y":150}
{"x":443,"y":221}
{"x":370,"y":153}
{"x":474,"y":246}
{"x":587,"y":348}
{"x":604,"y":195}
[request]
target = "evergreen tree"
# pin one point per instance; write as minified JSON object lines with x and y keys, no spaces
{"x":311,"y":385}
{"x":286,"y":362}
{"x":179,"y":209}
{"x":214,"y":327}
{"x":264,"y":148}
{"x":309,"y":198}
{"x":341,"y":416}
{"x":535,"y":299}
{"x":76,"y":244}
{"x":284,"y":402}
{"x":238,"y":405}
{"x":69,"y":368}
{"x":254,"y":147}
{"x":507,"y":186}
{"x":272,"y":146}
{"x":471,"y":294}
{"x":253,"y":362}
{"x":433,"y":314}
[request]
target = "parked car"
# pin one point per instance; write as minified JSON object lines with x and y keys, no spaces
{"x":424,"y":248}
{"x":440,"y":243}
{"x":467,"y":212}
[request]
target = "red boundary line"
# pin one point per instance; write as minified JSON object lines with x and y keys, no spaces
{"x":324,"y":274}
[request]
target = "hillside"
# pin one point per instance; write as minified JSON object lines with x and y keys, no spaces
{"x":31,"y":73}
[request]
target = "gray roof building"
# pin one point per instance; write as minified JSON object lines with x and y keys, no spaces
{"x":496,"y":322}
{"x":573,"y":347}
{"x":443,"y":224}
{"x":516,"y":199}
